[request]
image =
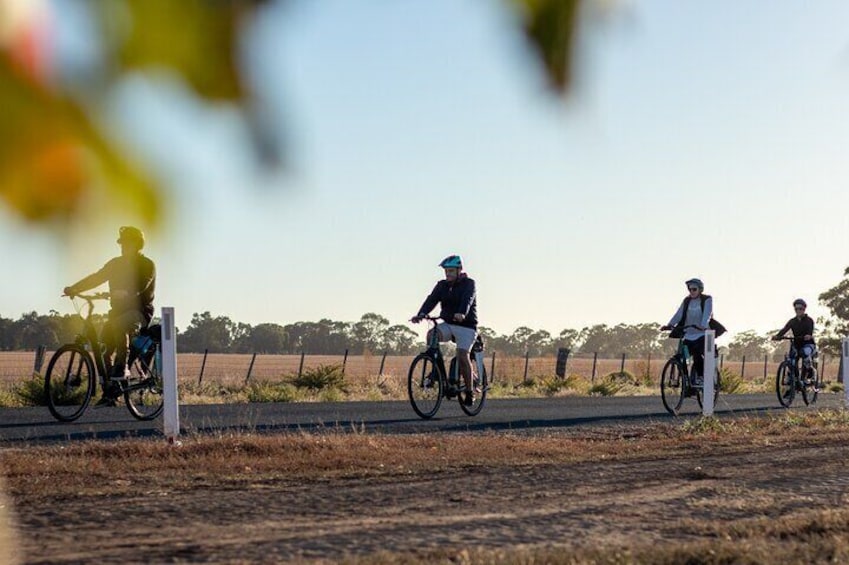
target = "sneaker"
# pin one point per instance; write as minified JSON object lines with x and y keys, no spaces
{"x":107,"y":400}
{"x":469,"y":400}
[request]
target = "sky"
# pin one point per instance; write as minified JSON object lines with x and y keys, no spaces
{"x":701,"y":139}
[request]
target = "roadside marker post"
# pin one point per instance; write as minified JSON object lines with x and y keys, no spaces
{"x":709,"y":372}
{"x":844,"y":364}
{"x":171,"y":411}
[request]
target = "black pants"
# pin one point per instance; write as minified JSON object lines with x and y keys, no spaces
{"x":696,"y":348}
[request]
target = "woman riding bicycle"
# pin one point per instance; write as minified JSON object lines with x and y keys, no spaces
{"x":457,"y":296}
{"x":694,"y":316}
{"x":802,"y":326}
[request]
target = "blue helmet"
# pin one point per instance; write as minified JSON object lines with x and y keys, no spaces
{"x":697,"y":283}
{"x":452,"y":262}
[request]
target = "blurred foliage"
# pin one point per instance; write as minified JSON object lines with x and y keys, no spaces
{"x":56,"y":158}
{"x":550,"y":27}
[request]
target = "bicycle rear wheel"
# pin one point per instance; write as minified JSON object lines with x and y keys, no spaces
{"x":785,"y":386}
{"x":424,"y":386}
{"x":481,"y":385}
{"x":672,"y":386}
{"x":69,"y":383}
{"x":143,"y":391}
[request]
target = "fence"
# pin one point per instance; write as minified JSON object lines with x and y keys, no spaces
{"x":234,"y":369}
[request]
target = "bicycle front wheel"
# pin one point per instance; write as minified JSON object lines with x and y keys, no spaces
{"x":810,"y":386}
{"x":785,"y":387}
{"x":143,"y":392}
{"x":672,"y":386}
{"x":424,"y":385}
{"x":69,"y":383}
{"x":481,"y":386}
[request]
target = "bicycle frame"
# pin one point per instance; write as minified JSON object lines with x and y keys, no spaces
{"x":89,"y":339}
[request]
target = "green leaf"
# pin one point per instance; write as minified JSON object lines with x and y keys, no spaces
{"x":550,"y":27}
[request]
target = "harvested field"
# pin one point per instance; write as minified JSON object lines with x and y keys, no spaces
{"x":748,"y":491}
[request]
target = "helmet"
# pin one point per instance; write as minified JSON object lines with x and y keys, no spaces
{"x":452,"y":262}
{"x":800,"y":302}
{"x":131,"y":234}
{"x":696,"y":282}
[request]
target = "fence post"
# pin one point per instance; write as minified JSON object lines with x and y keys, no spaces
{"x":648,"y":366}
{"x":721,"y":361}
{"x":250,"y":368}
{"x":492,"y":368}
{"x":622,"y":365}
{"x":525,"y":377}
{"x":743,"y":368}
{"x":171,"y":410}
{"x":382,"y":362}
{"x":843,"y":361}
{"x":765,"y":358}
{"x":301,"y":366}
{"x":822,"y":369}
{"x":202,"y":366}
{"x":345,"y":362}
{"x":39,"y":359}
{"x":595,"y":360}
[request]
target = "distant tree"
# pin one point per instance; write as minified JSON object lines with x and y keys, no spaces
{"x":567,"y":338}
{"x":832,"y":328}
{"x":750,"y":344}
{"x":33,"y":330}
{"x":206,"y":332}
{"x":264,"y":338}
{"x":400,"y":340}
{"x":7,"y":334}
{"x":368,"y":332}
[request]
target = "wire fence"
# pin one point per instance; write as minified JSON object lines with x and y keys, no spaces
{"x":234,"y":369}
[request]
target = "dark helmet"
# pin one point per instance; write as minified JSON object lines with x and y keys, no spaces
{"x":131,"y":234}
{"x":800,"y":302}
{"x":452,"y":262}
{"x":697,"y":283}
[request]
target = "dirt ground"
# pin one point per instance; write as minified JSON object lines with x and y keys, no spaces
{"x":772,"y":499}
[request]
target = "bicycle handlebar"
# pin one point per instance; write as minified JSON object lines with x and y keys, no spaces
{"x":90,"y":297}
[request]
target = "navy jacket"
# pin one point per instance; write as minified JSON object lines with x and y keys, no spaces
{"x":455,"y":297}
{"x":800,"y":328}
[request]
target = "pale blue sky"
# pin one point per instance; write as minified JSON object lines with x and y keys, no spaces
{"x":702,"y":139}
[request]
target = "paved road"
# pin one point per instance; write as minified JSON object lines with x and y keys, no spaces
{"x":23,"y":425}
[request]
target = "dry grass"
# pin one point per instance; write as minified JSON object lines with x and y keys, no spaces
{"x":254,"y":464}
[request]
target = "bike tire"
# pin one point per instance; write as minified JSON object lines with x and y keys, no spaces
{"x":69,"y":382}
{"x":810,"y":391}
{"x":480,"y":398}
{"x":143,"y":392}
{"x":785,"y":387}
{"x":425,"y":386}
{"x":672,"y":386}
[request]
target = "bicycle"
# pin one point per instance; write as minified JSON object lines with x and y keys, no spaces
{"x":427,"y":383}
{"x":789,"y":379}
{"x":73,"y":371}
{"x":677,"y":382}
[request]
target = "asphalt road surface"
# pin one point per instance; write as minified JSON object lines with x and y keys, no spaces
{"x":23,"y":425}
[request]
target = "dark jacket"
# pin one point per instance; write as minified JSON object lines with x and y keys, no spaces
{"x":801,"y":327}
{"x":456,"y":297}
{"x":135,"y":275}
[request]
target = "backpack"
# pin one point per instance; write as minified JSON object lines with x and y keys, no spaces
{"x":678,"y":330}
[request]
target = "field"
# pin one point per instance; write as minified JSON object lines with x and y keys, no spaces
{"x":229,"y":377}
{"x":707,"y":491}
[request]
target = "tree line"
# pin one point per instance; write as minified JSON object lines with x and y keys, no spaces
{"x":374,"y":333}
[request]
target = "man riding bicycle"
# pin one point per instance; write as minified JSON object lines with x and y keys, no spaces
{"x":132,"y":280}
{"x":457,"y":297}
{"x":802,"y":327}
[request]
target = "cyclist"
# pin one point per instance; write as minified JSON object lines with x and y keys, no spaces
{"x":695,"y":311}
{"x":457,"y":297}
{"x":132,"y":280}
{"x":802,"y":326}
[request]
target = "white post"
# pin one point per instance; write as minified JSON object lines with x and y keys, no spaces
{"x":844,"y":362}
{"x":709,"y":372}
{"x":171,"y":414}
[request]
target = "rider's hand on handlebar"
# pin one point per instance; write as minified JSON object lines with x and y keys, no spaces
{"x":416,"y":319}
{"x":665,"y":328}
{"x":68,"y":291}
{"x":458,"y":317}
